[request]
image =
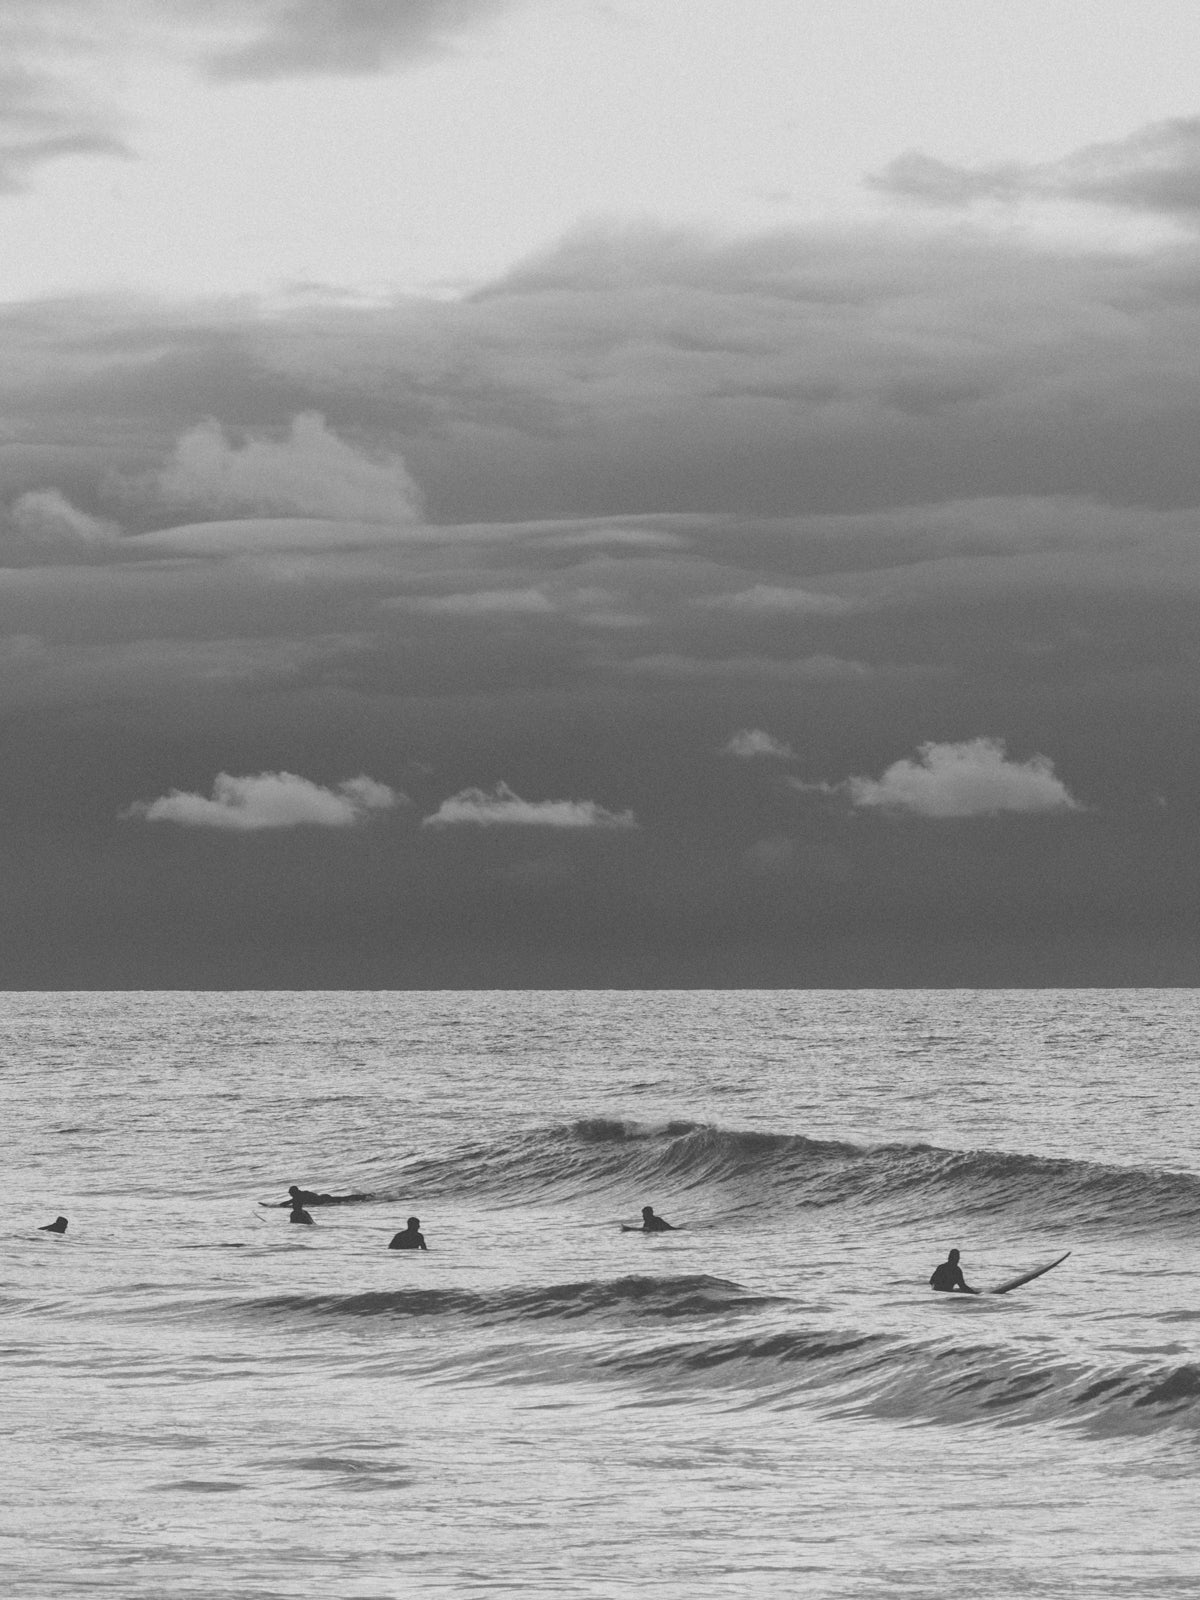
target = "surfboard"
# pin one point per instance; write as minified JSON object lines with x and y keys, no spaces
{"x":1027,"y":1277}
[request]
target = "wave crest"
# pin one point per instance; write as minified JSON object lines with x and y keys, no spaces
{"x":753,"y":1169}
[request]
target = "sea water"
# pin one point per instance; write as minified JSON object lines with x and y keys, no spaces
{"x":198,"y":1398}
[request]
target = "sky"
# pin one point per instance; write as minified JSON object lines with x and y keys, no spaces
{"x":599,"y":493}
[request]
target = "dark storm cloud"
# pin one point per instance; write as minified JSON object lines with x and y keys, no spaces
{"x":58,"y":94}
{"x":48,"y":109}
{"x":1156,"y":169}
{"x":800,"y":373}
{"x":914,"y":526}
{"x":795,"y":374}
{"x":296,"y":38}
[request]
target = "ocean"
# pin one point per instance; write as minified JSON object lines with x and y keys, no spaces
{"x":200,"y":1399}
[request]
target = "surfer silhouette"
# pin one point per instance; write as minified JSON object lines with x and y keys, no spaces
{"x":650,"y":1223}
{"x":307,"y":1197}
{"x":410,"y":1237}
{"x":948,"y":1277}
{"x":298,"y":1213}
{"x":310,"y":1197}
{"x":59,"y":1225}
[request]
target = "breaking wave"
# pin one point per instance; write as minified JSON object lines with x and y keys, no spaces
{"x":754,"y":1169}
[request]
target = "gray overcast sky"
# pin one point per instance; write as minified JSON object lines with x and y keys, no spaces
{"x":547,"y":492}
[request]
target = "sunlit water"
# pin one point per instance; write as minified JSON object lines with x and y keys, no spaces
{"x":199,"y":1399}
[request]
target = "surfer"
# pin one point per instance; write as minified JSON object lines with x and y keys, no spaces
{"x":948,"y":1277}
{"x":651,"y":1223}
{"x":306,"y":1197}
{"x":298,"y":1213}
{"x":59,"y":1225}
{"x":310,"y":1197}
{"x":410,"y":1237}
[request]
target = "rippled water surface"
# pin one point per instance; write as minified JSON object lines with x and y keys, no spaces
{"x":199,"y":1399}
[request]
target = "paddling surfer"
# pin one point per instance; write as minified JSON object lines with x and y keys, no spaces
{"x":410,"y":1237}
{"x":948,"y":1277}
{"x":59,"y":1225}
{"x":310,"y":1197}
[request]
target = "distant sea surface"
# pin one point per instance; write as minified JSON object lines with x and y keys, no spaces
{"x":200,"y":1399}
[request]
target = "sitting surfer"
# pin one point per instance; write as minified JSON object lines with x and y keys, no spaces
{"x":298,"y":1213}
{"x":59,"y":1225}
{"x":948,"y":1277}
{"x":410,"y":1237}
{"x":651,"y":1223}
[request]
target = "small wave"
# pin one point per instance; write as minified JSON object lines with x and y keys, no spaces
{"x":739,"y":1348}
{"x":752,"y":1168}
{"x":648,"y":1297}
{"x":882,"y":1376}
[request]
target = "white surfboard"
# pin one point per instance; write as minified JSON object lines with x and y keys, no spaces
{"x":1027,"y":1277}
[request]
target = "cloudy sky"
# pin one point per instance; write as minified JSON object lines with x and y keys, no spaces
{"x":599,"y":492}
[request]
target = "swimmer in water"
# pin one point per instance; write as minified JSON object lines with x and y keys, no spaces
{"x":410,"y":1238}
{"x":650,"y":1223}
{"x":298,"y":1213}
{"x":948,"y":1277}
{"x":59,"y":1225}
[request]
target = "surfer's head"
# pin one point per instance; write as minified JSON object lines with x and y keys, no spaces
{"x":952,"y":1258}
{"x":294,"y":1190}
{"x":413,"y":1224}
{"x":647,"y":1212}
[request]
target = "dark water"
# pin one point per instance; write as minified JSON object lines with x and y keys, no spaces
{"x":200,"y":1399}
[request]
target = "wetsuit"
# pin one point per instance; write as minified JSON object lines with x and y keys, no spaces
{"x":409,"y":1239}
{"x":948,"y":1277}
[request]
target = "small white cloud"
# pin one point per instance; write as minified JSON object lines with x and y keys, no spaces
{"x":310,"y":473}
{"x":971,"y":779}
{"x":765,"y":598}
{"x":269,"y":800}
{"x":748,"y":744}
{"x":502,"y":808}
